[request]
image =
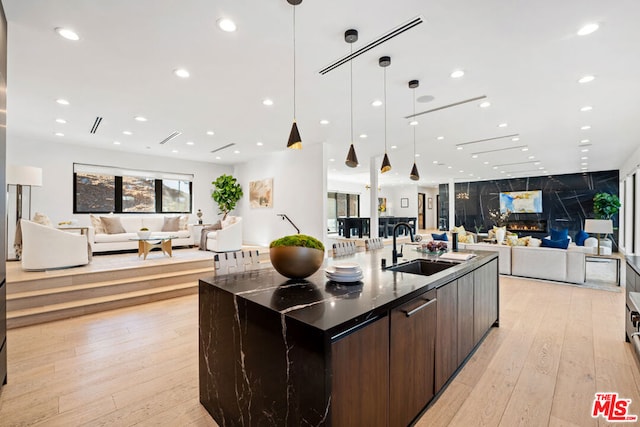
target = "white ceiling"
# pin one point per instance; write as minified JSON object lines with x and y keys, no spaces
{"x":524,"y":56}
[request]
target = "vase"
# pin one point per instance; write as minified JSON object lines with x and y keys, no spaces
{"x":296,"y":262}
{"x":500,"y":233}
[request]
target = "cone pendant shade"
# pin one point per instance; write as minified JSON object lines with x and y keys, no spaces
{"x":352,"y":159}
{"x":295,"y":142}
{"x":386,"y":164}
{"x":415,"y":176}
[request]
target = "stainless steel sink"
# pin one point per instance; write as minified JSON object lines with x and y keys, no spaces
{"x":423,"y":267}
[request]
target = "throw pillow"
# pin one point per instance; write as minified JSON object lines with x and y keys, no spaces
{"x":558,"y":244}
{"x":511,"y":240}
{"x":442,"y":237}
{"x":171,"y":223}
{"x":559,"y":234}
{"x":534,"y":243}
{"x":523,"y":241}
{"x":96,"y":223}
{"x":184,"y":220}
{"x":581,"y":237}
{"x":42,"y":219}
{"x":460,"y":230}
{"x":112,"y":225}
{"x":467,"y":238}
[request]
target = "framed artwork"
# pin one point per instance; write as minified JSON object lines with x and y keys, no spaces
{"x":430,"y":203}
{"x":404,"y":202}
{"x":261,"y":193}
{"x":382,"y":204}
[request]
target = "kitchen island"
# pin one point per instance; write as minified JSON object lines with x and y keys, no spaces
{"x":295,"y":352}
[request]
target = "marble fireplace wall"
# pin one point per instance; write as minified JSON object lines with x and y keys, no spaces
{"x":566,"y":200}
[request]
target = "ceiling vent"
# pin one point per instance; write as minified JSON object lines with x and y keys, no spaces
{"x":462,"y":144}
{"x":374,"y":43}
{"x":455,"y":104}
{"x":96,"y":123}
{"x":223,"y":147}
{"x":170,"y":137}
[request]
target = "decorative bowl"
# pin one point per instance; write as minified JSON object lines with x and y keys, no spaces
{"x":144,"y":234}
{"x":296,"y":262}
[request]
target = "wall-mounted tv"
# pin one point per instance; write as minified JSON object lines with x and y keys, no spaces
{"x":521,"y":201}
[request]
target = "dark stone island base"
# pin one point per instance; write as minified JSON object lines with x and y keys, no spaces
{"x":312,"y":352}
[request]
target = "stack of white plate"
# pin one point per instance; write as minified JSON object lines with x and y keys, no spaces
{"x":344,"y":273}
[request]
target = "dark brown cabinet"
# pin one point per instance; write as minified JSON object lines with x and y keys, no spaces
{"x":465,"y":317}
{"x":412,"y":353}
{"x":485,"y":299}
{"x":632,"y":285}
{"x":447,"y":334}
{"x":360,"y":376}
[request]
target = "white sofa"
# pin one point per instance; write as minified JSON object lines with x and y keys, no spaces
{"x":504,"y":253}
{"x":132,"y":223}
{"x":45,"y":248}
{"x":228,"y":238}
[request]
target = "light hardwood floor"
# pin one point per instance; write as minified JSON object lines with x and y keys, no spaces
{"x":556,"y":346}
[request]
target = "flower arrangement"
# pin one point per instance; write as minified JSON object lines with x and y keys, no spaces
{"x":499,"y":218}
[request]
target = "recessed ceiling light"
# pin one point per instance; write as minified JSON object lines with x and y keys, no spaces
{"x":363,"y":135}
{"x":417,"y":155}
{"x":584,"y":168}
{"x":210,"y":132}
{"x":376,"y":103}
{"x":267,"y":102}
{"x":508,"y":174}
{"x":503,"y":125}
{"x":457,"y":74}
{"x":394,"y":147}
{"x":584,"y":163}
{"x":323,"y":121}
{"x":174,"y":151}
{"x":525,"y":148}
{"x":585,"y":141}
{"x":227,"y":25}
{"x":190,"y":143}
{"x":435,"y":162}
{"x":62,"y":101}
{"x":413,"y":123}
{"x":586,"y":108}
{"x":182,"y":73}
{"x":67,"y":34}
{"x":449,"y":167}
{"x":584,"y":158}
{"x":459,"y":147}
{"x":545,"y":172}
{"x":485,"y":104}
{"x":332,"y":160}
{"x":440,"y":138}
{"x":515,"y":139}
{"x":495,"y":168}
{"x":585,"y":127}
{"x":59,"y":134}
{"x":259,"y":144}
{"x":470,"y":174}
{"x":461,"y":171}
{"x":236,"y":152}
{"x":218,"y":157}
{"x":502,"y":171}
{"x":486,"y":163}
{"x":586,"y":79}
{"x":116,"y":142}
{"x":140,"y":119}
{"x":127,"y":132}
{"x":475,"y":156}
{"x":585,"y":150}
{"x":588,"y":29}
{"x":536,"y":163}
{"x":531,"y":157}
{"x":63,"y":121}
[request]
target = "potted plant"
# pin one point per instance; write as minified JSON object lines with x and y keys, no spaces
{"x":296,"y":256}
{"x":226,"y":193}
{"x":144,"y":233}
{"x":605,"y":205}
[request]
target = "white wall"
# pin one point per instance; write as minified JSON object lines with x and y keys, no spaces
{"x":55,"y":197}
{"x":395,"y":194}
{"x":299,"y":191}
{"x":352,"y":188}
{"x":431,"y":215}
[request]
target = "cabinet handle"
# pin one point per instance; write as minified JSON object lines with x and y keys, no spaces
{"x":415,"y":310}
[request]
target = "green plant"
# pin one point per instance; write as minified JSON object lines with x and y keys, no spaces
{"x":226,"y":193}
{"x":144,"y":229}
{"x":298,"y":240}
{"x":605,"y":205}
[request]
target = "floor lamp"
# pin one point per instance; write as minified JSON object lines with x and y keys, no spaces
{"x":598,"y":226}
{"x":22,"y":178}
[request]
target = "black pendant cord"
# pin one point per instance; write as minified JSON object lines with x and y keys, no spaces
{"x":351,"y":100}
{"x":414,"y":128}
{"x":385,"y":110}
{"x":294,"y":63}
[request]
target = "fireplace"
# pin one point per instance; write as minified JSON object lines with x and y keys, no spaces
{"x":525,"y":226}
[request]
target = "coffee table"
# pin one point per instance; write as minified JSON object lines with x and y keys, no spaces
{"x":147,"y":243}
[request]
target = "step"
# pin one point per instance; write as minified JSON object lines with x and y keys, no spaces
{"x":47,"y":296}
{"x":35,"y":315}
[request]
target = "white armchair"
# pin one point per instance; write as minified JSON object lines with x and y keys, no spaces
{"x":45,"y":248}
{"x":229,"y":238}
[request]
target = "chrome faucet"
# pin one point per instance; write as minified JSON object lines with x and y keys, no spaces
{"x":395,"y":253}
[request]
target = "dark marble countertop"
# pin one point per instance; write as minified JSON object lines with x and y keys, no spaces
{"x":634,"y":262}
{"x":332,"y":307}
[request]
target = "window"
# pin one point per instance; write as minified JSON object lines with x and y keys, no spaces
{"x":103,"y":189}
{"x":341,"y":205}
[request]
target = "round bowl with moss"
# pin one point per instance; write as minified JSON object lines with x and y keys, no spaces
{"x":296,"y":256}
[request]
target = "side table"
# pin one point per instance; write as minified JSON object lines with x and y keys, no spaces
{"x":603,"y":258}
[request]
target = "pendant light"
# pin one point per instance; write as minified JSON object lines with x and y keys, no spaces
{"x":351,"y":36}
{"x":414,"y":175}
{"x":384,"y":62}
{"x":295,"y":142}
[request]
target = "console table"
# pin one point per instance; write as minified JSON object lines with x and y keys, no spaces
{"x":346,"y":224}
